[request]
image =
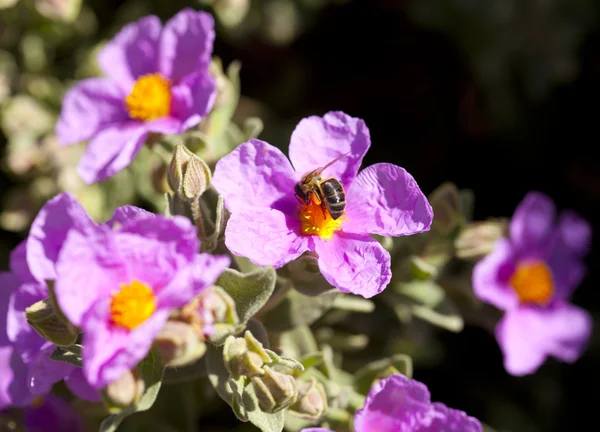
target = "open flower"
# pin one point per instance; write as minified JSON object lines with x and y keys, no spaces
{"x":120,"y":281}
{"x":397,"y":403}
{"x":531,"y":276}
{"x":270,"y":227}
{"x":157,"y":80}
{"x":52,"y":414}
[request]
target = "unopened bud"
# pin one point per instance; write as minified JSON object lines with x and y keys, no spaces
{"x":187,"y":174}
{"x":210,"y":312}
{"x":478,"y":238}
{"x":45,"y":319}
{"x":179,"y":344}
{"x":244,"y":356}
{"x":274,"y":390}
{"x":312,"y":399}
{"x":127,"y":390}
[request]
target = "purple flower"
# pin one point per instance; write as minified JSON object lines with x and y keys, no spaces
{"x":531,"y":276}
{"x":269,"y":227}
{"x":157,"y":80}
{"x":52,"y":414}
{"x":120,"y":281}
{"x":399,"y":404}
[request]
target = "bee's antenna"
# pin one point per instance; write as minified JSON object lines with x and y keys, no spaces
{"x":320,"y":170}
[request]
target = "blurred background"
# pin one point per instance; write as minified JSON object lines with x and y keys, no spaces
{"x":497,"y":96}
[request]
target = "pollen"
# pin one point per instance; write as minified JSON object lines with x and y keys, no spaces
{"x":150,"y":98}
{"x":317,"y":221}
{"x":533,"y":283}
{"x":133,"y":304}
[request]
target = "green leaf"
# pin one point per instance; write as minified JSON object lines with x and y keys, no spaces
{"x":151,"y":371}
{"x":365,"y":376}
{"x":447,"y":208}
{"x":353,"y":303}
{"x":185,"y":373}
{"x":425,"y":292}
{"x":252,"y":127}
{"x":312,"y":359}
{"x":250,"y":291}
{"x":452,"y":322}
{"x":298,"y":309}
{"x":298,"y":342}
{"x":218,"y":374}
{"x":288,"y":362}
{"x":70,"y":354}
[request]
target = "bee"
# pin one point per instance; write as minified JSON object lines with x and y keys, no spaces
{"x":329,"y":194}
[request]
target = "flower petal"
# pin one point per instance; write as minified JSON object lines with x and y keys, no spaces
{"x":532,"y":221}
{"x":111,"y":150}
{"x":53,"y":415}
{"x":265,"y":237}
{"x":132,"y":52}
{"x":575,"y":233}
{"x":43,"y":373}
{"x":186,"y":44}
{"x":19,"y":266}
{"x":109,"y":351}
{"x":396,"y":403}
{"x":255,"y":174}
{"x":87,"y":108}
{"x":14,"y":390}
{"x":77,"y":383}
{"x":491,"y":276}
{"x":27,"y":341}
{"x":127,"y":214}
{"x":354,"y":264}
{"x":451,"y":420}
{"x":316,"y":141}
{"x":193,"y":98}
{"x":55,"y":220}
{"x":386,"y":200}
{"x":569,"y":328}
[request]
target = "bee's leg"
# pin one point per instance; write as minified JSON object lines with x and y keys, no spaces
{"x":299,"y":199}
{"x":324,"y":208}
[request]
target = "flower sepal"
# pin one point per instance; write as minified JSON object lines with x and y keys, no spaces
{"x":49,"y":323}
{"x":311,"y":402}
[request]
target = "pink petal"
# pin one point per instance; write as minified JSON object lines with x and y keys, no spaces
{"x":111,"y":150}
{"x":132,"y":52}
{"x":193,"y":98}
{"x":77,"y":383}
{"x":44,"y":373}
{"x":186,"y":44}
{"x":451,"y":420}
{"x":316,"y":141}
{"x":255,"y":174}
{"x":386,"y":200}
{"x":532,"y":222}
{"x":128,"y":214}
{"x":575,"y":232}
{"x":569,"y":328}
{"x":354,"y":264}
{"x":491,"y":276}
{"x":265,"y":237}
{"x":88,"y":107}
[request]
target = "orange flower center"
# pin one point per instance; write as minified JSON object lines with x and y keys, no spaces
{"x":150,"y":98}
{"x":316,"y":220}
{"x":533,"y":283}
{"x":132,"y":305}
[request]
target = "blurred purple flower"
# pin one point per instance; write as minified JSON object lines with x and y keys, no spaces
{"x":399,"y":404}
{"x":268,"y":227}
{"x":52,"y":414}
{"x":135,"y":270}
{"x":157,"y":80}
{"x":531,"y":276}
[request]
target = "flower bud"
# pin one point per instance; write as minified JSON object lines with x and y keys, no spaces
{"x":212,"y":310}
{"x":312,"y":399}
{"x":274,"y":390}
{"x":127,"y":390}
{"x":244,"y":356}
{"x":478,"y":238}
{"x":179,"y":344}
{"x":44,"y":317}
{"x":187,"y":174}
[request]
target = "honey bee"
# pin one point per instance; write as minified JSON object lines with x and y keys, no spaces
{"x":329,"y":194}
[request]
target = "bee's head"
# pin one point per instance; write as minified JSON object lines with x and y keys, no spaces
{"x":303,"y":190}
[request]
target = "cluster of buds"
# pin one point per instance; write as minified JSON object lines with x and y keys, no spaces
{"x":477,"y":239}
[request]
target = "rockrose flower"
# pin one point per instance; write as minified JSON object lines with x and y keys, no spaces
{"x":271,"y":225}
{"x":400,"y":404}
{"x":157,"y":80}
{"x":531,"y":276}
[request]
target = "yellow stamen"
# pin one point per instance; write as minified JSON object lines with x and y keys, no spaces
{"x":533,"y":283}
{"x":317,"y":221}
{"x":150,"y":98}
{"x":132,"y":305}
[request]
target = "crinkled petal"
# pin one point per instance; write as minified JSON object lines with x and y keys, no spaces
{"x":531,"y":224}
{"x":112,"y":150}
{"x":568,"y":328}
{"x":396,"y":403}
{"x":89,"y":107}
{"x":43,"y":373}
{"x":265,"y":237}
{"x":255,"y":174}
{"x":77,"y":383}
{"x":19,"y":267}
{"x":316,"y":141}
{"x":132,"y":52}
{"x":14,"y":389}
{"x":193,"y":98}
{"x":109,"y":351}
{"x":451,"y":420}
{"x":186,"y":44}
{"x":386,"y":200}
{"x":127,"y":214}
{"x":522,"y":337}
{"x":354,"y":264}
{"x":89,"y":268}
{"x":53,"y":415}
{"x":491,"y":276}
{"x":49,"y":229}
